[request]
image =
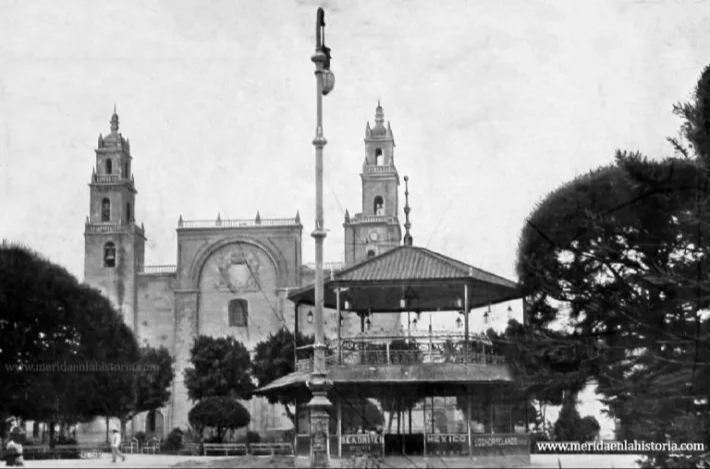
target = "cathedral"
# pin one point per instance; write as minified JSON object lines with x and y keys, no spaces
{"x":230,"y":278}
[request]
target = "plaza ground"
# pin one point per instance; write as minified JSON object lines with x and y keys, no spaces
{"x":167,"y":461}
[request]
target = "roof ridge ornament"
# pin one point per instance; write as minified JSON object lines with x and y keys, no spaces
{"x":408,"y":241}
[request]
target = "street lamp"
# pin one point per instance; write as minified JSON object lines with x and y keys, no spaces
{"x":310,"y":317}
{"x":317,"y":383}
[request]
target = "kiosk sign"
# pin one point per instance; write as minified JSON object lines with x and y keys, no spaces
{"x":447,"y":443}
{"x":361,"y":443}
{"x":500,"y":444}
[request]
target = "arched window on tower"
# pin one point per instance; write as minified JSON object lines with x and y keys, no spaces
{"x":378,"y":206}
{"x":109,"y":166}
{"x":105,"y":210}
{"x":125,"y":170}
{"x":370,"y":253}
{"x":109,"y":255}
{"x":128,"y":212}
{"x":238,"y":313}
{"x":379,"y":158}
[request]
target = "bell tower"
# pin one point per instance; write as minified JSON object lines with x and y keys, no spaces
{"x":376,"y":228}
{"x":114,"y":245}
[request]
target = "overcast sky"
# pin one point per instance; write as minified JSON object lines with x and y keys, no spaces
{"x":492,"y":104}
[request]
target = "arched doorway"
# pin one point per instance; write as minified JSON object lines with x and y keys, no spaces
{"x":154,"y":423}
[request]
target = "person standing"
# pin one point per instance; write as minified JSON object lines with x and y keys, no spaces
{"x":116,"y":445}
{"x":14,"y":451}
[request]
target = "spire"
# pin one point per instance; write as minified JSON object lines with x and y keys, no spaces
{"x":347,"y":216}
{"x":407,"y":237}
{"x":219,"y":219}
{"x":180,"y":222}
{"x":379,"y":129}
{"x":379,"y":115}
{"x":114,"y":121}
{"x":298,"y":217}
{"x":101,"y":141}
{"x":258,"y":218}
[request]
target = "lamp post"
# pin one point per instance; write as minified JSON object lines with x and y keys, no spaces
{"x":318,"y":384}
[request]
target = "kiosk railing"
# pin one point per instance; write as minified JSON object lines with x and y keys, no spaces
{"x":401,"y":350}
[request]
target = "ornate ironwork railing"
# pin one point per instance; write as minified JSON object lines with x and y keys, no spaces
{"x":439,"y":349}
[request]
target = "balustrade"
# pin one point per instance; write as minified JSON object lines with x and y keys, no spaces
{"x":335,"y":266}
{"x":373,"y":219}
{"x":371,"y":168}
{"x":192,"y":224}
{"x":159,"y":269}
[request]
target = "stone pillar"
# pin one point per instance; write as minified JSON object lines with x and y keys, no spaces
{"x":186,"y":329}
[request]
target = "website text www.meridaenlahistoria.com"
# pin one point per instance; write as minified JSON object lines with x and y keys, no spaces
{"x":629,"y":447}
{"x":83,"y":367}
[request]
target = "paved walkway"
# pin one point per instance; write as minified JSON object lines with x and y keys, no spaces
{"x":164,"y":461}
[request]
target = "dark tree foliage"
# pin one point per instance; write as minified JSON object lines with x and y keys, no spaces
{"x":154,"y":379}
{"x":49,"y":319}
{"x":621,"y":255}
{"x":274,"y":357}
{"x":218,"y":413}
{"x":570,"y":426}
{"x":220,"y":367}
{"x":147,"y":384}
{"x":364,"y":415}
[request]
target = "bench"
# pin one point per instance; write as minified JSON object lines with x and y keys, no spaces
{"x":36,"y":452}
{"x":271,"y":449}
{"x":151,"y":446}
{"x":132,"y":447}
{"x":190,"y":449}
{"x":83,"y":451}
{"x":238,"y":449}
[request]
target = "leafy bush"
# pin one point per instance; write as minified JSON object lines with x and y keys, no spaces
{"x":571,"y":427}
{"x":65,"y":440}
{"x":173,"y":443}
{"x":288,"y":436}
{"x":141,"y":437}
{"x":253,"y":437}
{"x":219,"y":414}
{"x":536,"y":437}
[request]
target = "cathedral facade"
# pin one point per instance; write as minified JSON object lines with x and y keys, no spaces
{"x":231,"y":277}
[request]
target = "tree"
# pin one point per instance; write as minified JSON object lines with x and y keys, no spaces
{"x":357,"y":415}
{"x":570,"y":426}
{"x":220,"y":368}
{"x":51,"y":321}
{"x":621,"y":256}
{"x":219,"y":413}
{"x":274,"y":357}
{"x":147,"y":383}
{"x":154,"y":379}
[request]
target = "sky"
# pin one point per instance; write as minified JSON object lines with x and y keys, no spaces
{"x":492,"y":104}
